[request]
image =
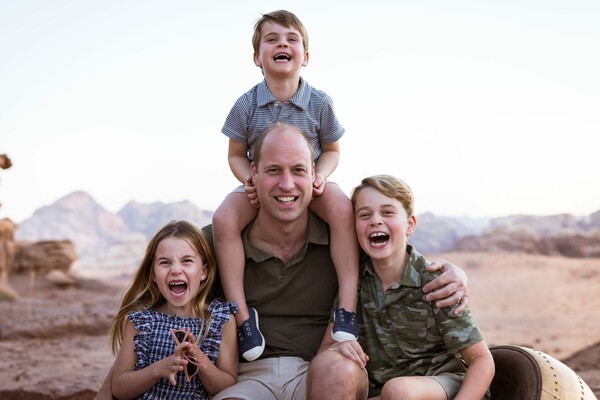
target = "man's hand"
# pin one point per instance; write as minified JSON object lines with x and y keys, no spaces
{"x":449,"y":288}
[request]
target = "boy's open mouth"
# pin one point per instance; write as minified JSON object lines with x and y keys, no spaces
{"x":282,"y":57}
{"x":379,"y":238}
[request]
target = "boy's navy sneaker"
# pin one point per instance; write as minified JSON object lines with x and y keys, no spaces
{"x":344,"y":326}
{"x":250,"y":341}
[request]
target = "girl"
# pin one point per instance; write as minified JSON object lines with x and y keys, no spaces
{"x":167,"y":324}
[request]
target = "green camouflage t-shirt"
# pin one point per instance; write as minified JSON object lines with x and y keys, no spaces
{"x":405,"y":335}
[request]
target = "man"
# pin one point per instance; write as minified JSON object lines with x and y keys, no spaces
{"x":290,"y":279}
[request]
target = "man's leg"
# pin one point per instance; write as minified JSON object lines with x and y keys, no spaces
{"x":255,"y":381}
{"x":332,"y":376}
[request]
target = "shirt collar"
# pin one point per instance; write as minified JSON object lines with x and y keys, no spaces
{"x":317,"y":234}
{"x":299,"y":99}
{"x":412,"y":272}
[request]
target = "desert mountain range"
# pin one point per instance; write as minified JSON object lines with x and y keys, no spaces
{"x":104,"y":239}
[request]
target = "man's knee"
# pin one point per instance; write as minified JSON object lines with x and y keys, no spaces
{"x":331,"y":373}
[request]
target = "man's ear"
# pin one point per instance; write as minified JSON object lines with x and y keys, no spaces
{"x":253,"y":173}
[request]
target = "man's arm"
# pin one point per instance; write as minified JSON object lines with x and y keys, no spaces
{"x":105,"y":391}
{"x":449,"y":288}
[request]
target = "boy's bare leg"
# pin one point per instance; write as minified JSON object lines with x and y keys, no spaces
{"x":234,"y":213}
{"x":335,"y":208}
{"x":228,"y":222}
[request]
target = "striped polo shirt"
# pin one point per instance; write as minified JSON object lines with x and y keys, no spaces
{"x":310,"y":109}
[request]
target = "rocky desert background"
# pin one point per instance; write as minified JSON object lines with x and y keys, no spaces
{"x":534,"y":281}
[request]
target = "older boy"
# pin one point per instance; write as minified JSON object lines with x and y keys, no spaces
{"x":415,"y":350}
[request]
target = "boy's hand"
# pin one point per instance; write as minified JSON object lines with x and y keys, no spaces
{"x":449,"y":288}
{"x":318,"y":185}
{"x":352,"y":350}
{"x":250,"y":191}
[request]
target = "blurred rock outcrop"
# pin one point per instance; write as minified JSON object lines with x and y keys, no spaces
{"x":560,"y":235}
{"x":102,"y":239}
{"x":44,"y":256}
{"x":7,"y":253}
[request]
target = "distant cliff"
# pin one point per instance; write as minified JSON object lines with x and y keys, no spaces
{"x":104,"y":239}
{"x":558,"y":235}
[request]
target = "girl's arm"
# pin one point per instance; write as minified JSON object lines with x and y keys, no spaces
{"x":238,"y":160}
{"x":480,"y":372}
{"x":326,"y":164}
{"x":216,"y":377}
{"x":127,"y":382}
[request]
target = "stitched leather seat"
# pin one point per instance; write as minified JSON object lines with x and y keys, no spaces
{"x":526,"y":374}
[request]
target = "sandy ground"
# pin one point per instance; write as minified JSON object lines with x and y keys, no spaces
{"x":53,"y":342}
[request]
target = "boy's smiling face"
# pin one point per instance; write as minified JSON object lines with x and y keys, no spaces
{"x":382,"y":225}
{"x":281,"y":50}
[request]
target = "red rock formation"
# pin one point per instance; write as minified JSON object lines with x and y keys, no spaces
{"x":44,"y":256}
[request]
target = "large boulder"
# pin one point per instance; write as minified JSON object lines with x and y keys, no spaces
{"x":44,"y":256}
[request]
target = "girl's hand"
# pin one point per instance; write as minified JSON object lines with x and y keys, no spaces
{"x":250,"y":191}
{"x":200,"y":359}
{"x":168,"y":367}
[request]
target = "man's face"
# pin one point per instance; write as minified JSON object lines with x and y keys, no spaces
{"x":284,"y":176}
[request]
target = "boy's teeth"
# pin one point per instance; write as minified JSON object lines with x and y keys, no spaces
{"x":285,"y":199}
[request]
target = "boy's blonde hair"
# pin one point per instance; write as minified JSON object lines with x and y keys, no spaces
{"x":283,"y":18}
{"x":143,"y":292}
{"x":389,"y":186}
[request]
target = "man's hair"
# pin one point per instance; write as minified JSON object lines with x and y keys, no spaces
{"x":389,"y":186}
{"x":283,"y":18}
{"x":278,"y":127}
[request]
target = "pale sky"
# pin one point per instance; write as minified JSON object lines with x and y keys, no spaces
{"x":486,"y":108}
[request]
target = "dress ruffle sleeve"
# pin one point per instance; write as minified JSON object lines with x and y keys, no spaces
{"x":220,"y":313}
{"x":143,"y":322}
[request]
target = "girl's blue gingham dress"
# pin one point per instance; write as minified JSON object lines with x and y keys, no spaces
{"x":154,"y":342}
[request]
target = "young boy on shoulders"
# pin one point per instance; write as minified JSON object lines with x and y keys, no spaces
{"x":280,"y":46}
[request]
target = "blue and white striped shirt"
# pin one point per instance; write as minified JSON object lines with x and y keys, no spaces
{"x":310,"y":110}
